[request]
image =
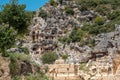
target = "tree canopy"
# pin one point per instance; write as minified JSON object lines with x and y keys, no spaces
{"x":7,"y":38}
{"x":15,"y":15}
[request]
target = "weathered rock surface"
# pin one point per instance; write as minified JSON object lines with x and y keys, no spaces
{"x":4,"y":69}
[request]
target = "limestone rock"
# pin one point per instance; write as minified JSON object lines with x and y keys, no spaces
{"x":4,"y":69}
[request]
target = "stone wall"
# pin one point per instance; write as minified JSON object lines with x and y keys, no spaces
{"x":63,"y":71}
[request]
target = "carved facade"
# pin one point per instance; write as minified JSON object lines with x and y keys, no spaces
{"x":62,"y":71}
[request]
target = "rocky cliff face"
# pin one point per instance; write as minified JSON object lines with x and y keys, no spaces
{"x":19,"y":68}
{"x":45,"y":33}
{"x":10,"y":69}
{"x":4,"y":69}
{"x":51,"y":23}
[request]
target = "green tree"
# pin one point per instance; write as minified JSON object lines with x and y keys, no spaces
{"x":64,"y":56}
{"x":49,"y":57}
{"x":16,"y":16}
{"x":7,"y":39}
{"x":76,"y":35}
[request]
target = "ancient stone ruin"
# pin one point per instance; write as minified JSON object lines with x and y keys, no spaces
{"x":63,"y":71}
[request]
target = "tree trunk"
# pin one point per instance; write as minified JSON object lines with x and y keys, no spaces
{"x":3,"y":52}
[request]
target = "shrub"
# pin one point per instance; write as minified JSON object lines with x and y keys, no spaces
{"x":60,"y":1}
{"x":76,"y":35}
{"x":83,"y":67}
{"x":19,"y":56}
{"x":38,"y":76}
{"x":69,"y":11}
{"x":14,"y":67}
{"x":49,"y":57}
{"x":95,"y":29}
{"x":102,"y":10}
{"x":64,"y":56}
{"x":99,"y":20}
{"x":83,"y":7}
{"x":17,"y":78}
{"x":89,"y":42}
{"x":25,"y":50}
{"x":42,"y":14}
{"x":113,"y":15}
{"x":7,"y":39}
{"x":14,"y":64}
{"x":53,"y":3}
{"x":65,"y":40}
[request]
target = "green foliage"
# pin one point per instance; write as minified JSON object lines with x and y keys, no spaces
{"x":99,"y":20}
{"x":103,"y":7}
{"x":87,"y":3}
{"x":49,"y":57}
{"x":114,"y":15}
{"x":16,"y":78}
{"x":14,"y":67}
{"x":61,"y":1}
{"x":0,"y":19}
{"x":16,"y":16}
{"x":14,"y":64}
{"x":69,"y":11}
{"x":30,"y":76}
{"x":64,"y":56}
{"x":103,"y":10}
{"x":39,"y":76}
{"x":7,"y":38}
{"x":42,"y":14}
{"x":65,"y":40}
{"x":77,"y":35}
{"x":83,"y":67}
{"x":53,"y":3}
{"x":19,"y":56}
{"x":112,"y":23}
{"x":25,"y":50}
{"x":95,"y":3}
{"x":83,"y":7}
{"x":96,"y":29}
{"x":89,"y":42}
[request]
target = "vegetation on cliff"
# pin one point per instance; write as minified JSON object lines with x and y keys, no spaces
{"x":14,"y":21}
{"x":7,"y":39}
{"x":49,"y":57}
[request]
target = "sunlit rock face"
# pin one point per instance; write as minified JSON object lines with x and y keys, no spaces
{"x":99,"y":61}
{"x":63,"y":71}
{"x":4,"y":69}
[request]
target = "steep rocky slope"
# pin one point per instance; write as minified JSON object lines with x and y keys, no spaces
{"x":54,"y":27}
{"x":57,"y":23}
{"x":87,"y":36}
